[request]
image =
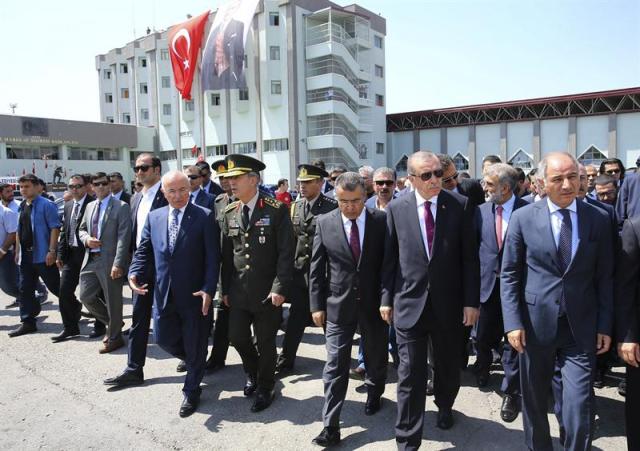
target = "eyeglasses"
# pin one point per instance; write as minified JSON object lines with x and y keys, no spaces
{"x":384,"y":182}
{"x":142,"y":167}
{"x":613,"y":171}
{"x":74,"y":186}
{"x":105,"y":183}
{"x":425,"y":176}
{"x":448,"y":179}
{"x":194,"y":176}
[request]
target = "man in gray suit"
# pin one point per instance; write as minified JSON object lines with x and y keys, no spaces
{"x":557,"y":301}
{"x":105,"y":232}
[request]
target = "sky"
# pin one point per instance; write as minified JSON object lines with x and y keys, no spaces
{"x":439,"y":53}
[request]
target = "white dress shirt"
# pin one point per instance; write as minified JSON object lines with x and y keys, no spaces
{"x":507,"y":209}
{"x":423,"y":226}
{"x":360,"y":221}
{"x":144,"y":207}
{"x":556,"y":224}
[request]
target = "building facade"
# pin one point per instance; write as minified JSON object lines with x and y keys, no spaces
{"x":316,"y":89}
{"x":591,"y":126}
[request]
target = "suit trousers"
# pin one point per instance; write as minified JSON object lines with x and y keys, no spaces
{"x":221,"y":335}
{"x":412,"y":373}
{"x":260,"y":363}
{"x":335,"y":376}
{"x":489,"y":334}
{"x":184,"y":333}
{"x":537,"y":366}
{"x":632,"y":408}
{"x":29,"y":273}
{"x":139,"y":331}
{"x":95,"y":279}
{"x":299,"y":317}
{"x":69,"y":305}
{"x":9,"y":275}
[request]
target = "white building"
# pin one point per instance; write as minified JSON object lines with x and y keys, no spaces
{"x":591,"y":126}
{"x":316,"y":89}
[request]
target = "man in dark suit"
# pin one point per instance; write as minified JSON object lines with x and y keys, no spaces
{"x":557,"y":301}
{"x":628,"y":323}
{"x":70,"y":256}
{"x":208,"y":185}
{"x":628,"y":202}
{"x":431,"y":287}
{"x":198,"y":195}
{"x":117,"y":188}
{"x":257,"y":271}
{"x":500,"y":181}
{"x":182,"y":242}
{"x":147,"y":169}
{"x":467,"y":187}
{"x":326,"y":185}
{"x":222,"y":65}
{"x":304,"y":213}
{"x":344,"y":292}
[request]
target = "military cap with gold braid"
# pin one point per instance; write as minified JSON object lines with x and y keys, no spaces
{"x":220,"y":166}
{"x":238,"y":164}
{"x":307,"y":172}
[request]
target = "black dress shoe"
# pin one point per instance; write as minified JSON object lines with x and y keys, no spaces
{"x":330,"y":436}
{"x":182,"y":366}
{"x":98,"y":332}
{"x":509,"y":410}
{"x":250,"y":386}
{"x":66,"y":333}
{"x":445,"y":419}
{"x":283,"y":365}
{"x":264,"y":398}
{"x":429,"y":391}
{"x":24,"y":329}
{"x":563,"y":436}
{"x":126,"y":379}
{"x":188,"y":406}
{"x":482,"y":378}
{"x":622,"y":388}
{"x":213,"y":366}
{"x":372,"y":405}
{"x":598,"y":381}
{"x":14,"y":304}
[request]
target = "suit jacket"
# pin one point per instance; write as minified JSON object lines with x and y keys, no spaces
{"x":371,"y":202}
{"x":338,"y":284}
{"x":193,"y":265}
{"x":64,"y":242}
{"x":214,"y":189}
{"x":613,"y":218}
{"x":471,"y":189}
{"x":158,"y":201}
{"x":115,"y":233}
{"x":627,"y":288}
{"x":532,"y":283}
{"x":628,"y":203}
{"x":206,"y":200}
{"x":125,"y":197}
{"x":490,"y":255}
{"x":450,"y":279}
{"x":327,"y":187}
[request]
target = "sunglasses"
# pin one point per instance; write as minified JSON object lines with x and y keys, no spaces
{"x":384,"y":182}
{"x":193,"y":176}
{"x":105,"y":183}
{"x":142,"y":167}
{"x":448,"y":179}
{"x":425,"y":176}
{"x":74,"y":186}
{"x":613,"y":171}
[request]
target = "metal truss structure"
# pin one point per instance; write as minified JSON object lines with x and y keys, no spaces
{"x":589,"y":104}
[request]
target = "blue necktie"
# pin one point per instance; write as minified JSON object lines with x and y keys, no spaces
{"x":173,"y":229}
{"x":564,"y":251}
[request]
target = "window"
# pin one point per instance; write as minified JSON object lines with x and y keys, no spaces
{"x":274,"y":19}
{"x":144,"y":114}
{"x":377,"y":41}
{"x":126,"y":118}
{"x":93,"y":153}
{"x":248,"y":147}
{"x":107,"y":74}
{"x":273,"y":145}
{"x":243,"y":94}
{"x":215,"y":99}
{"x":142,"y":62}
{"x":379,"y":71}
{"x":274,"y":52}
{"x":124,"y":93}
{"x":168,"y":155}
{"x":144,"y":89}
{"x":379,"y":148}
{"x":214,"y":151}
{"x":522,"y":160}
{"x":592,"y":155}
{"x":164,"y":54}
{"x":276,"y":87}
{"x":166,"y":82}
{"x":188,"y":105}
{"x":32,"y":153}
{"x":379,"y":100}
{"x":124,"y":68}
{"x":110,"y":119}
{"x":166,"y":109}
{"x":108,"y":97}
{"x":460,"y":162}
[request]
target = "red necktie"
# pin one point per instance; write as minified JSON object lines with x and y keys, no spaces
{"x":354,"y":240}
{"x":430,"y":225}
{"x":499,"y":225}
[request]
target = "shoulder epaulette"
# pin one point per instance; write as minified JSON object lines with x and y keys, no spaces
{"x":331,"y":200}
{"x":272,"y":202}
{"x":231,"y":206}
{"x":221,"y":196}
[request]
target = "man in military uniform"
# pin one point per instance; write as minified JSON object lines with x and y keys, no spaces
{"x":257,"y":273}
{"x":303,"y":216}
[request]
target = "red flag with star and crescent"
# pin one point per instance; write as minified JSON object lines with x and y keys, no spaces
{"x":184,"y":45}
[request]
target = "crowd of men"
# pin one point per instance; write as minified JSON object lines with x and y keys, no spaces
{"x":539,"y":272}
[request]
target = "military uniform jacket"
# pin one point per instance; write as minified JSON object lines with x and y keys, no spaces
{"x":304,"y":228}
{"x":221,"y":202}
{"x":257,"y":260}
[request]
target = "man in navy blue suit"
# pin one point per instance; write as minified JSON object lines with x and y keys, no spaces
{"x":499,"y":182}
{"x":182,"y":240}
{"x":198,"y":195}
{"x":557,"y":301}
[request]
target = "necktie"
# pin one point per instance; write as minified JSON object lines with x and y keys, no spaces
{"x":499,"y":209}
{"x":430,"y":225}
{"x":245,"y":217}
{"x":173,"y":229}
{"x":95,"y":220}
{"x":191,"y":198}
{"x":307,"y":209}
{"x":564,"y":242}
{"x":354,"y":240}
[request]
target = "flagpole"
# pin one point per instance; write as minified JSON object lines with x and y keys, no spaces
{"x":178,"y":137}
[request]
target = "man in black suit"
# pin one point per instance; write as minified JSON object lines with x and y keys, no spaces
{"x":208,"y":185}
{"x":69,"y":258}
{"x":431,"y":287}
{"x":198,"y":195}
{"x":628,"y":323}
{"x":344,"y":292}
{"x":117,"y":187}
{"x":499,"y":181}
{"x":467,"y":187}
{"x":148,"y":169}
{"x":628,"y":202}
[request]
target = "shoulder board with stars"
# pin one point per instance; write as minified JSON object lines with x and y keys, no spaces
{"x":231,"y":206}
{"x":272,"y":202}
{"x":330,"y":200}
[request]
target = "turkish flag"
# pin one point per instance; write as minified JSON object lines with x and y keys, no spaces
{"x":184,"y":44}
{"x":194,"y":151}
